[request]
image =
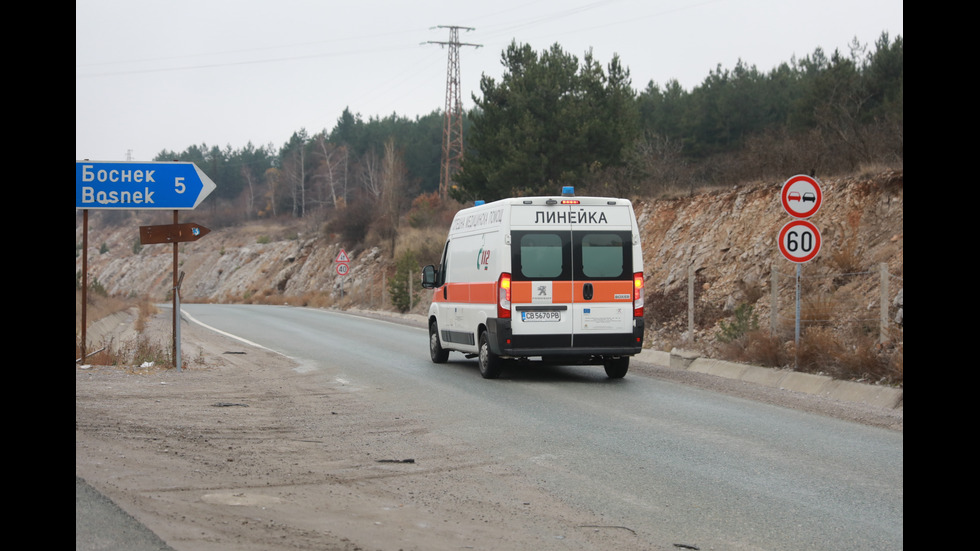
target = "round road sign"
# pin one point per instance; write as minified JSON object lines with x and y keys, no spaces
{"x":343,"y":268}
{"x":799,"y":241}
{"x":801,"y":196}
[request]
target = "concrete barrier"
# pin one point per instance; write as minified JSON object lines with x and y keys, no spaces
{"x":821,"y":385}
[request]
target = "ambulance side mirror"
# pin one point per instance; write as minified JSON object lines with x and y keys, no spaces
{"x":429,"y":277}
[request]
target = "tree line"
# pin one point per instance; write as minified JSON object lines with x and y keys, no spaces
{"x":553,"y":119}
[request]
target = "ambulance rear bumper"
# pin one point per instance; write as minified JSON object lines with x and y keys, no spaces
{"x":504,"y":343}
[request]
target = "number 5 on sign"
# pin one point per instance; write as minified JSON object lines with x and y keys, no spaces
{"x":799,"y":241}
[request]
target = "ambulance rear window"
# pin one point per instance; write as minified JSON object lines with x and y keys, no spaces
{"x":541,"y":256}
{"x":602,"y":255}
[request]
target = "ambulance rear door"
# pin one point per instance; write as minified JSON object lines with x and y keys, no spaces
{"x":602,"y":258}
{"x":572,"y":288}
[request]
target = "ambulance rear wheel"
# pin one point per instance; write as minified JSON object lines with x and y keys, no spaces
{"x":616,"y":368}
{"x":490,"y":363}
{"x":438,"y":354}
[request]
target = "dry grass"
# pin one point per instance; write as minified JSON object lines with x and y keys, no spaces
{"x":145,"y":310}
{"x":427,"y":243}
{"x":110,"y":352}
{"x":141,"y":351}
{"x":846,"y":259}
{"x":764,"y":349}
{"x":757,"y":347}
{"x":819,"y":309}
{"x":99,"y":306}
{"x":853,"y":356}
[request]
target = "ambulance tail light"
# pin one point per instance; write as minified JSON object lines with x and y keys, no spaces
{"x":638,"y":295}
{"x":503,"y":296}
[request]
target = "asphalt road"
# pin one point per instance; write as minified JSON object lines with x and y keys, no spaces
{"x":733,"y":473}
{"x":102,"y":526}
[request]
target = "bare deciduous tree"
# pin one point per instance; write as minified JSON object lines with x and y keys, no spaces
{"x":393,"y":177}
{"x":332,"y":170}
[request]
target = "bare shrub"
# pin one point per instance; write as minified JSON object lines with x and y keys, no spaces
{"x":312,"y":299}
{"x":817,"y":309}
{"x":846,"y":258}
{"x":757,"y":347}
{"x":145,"y":310}
{"x":352,"y":222}
{"x":856,"y":356}
{"x":765,"y":349}
{"x":102,"y":354}
{"x":145,"y":350}
{"x":429,"y":210}
{"x":140,"y":351}
{"x":818,"y":352}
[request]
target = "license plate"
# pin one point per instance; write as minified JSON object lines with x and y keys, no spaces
{"x":537,"y":315}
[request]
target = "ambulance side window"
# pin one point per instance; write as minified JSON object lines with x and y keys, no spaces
{"x":541,"y":255}
{"x":441,"y":278}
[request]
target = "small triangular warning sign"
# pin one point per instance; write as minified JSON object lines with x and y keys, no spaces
{"x":342,"y":257}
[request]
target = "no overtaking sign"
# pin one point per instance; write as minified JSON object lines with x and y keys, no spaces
{"x":801,"y":196}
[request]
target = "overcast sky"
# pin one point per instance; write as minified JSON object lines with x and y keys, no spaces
{"x":164,"y":75}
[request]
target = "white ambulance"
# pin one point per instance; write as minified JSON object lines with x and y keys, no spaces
{"x":558,"y":279}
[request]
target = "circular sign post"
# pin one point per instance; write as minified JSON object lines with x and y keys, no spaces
{"x":799,"y":241}
{"x":343,"y":268}
{"x":801,"y":196}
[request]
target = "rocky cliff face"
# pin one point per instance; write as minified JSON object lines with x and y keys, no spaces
{"x":726,"y":238}
{"x":729,"y":240}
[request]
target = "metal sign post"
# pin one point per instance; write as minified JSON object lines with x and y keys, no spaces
{"x":180,"y":280}
{"x":84,"y":280}
{"x":174,"y":233}
{"x":799,"y":240}
{"x":343,"y":268}
{"x":799,"y":271}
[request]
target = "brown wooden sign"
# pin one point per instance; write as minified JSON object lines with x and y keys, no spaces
{"x":171,"y":233}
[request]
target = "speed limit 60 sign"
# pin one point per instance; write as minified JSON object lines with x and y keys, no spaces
{"x":799,"y":241}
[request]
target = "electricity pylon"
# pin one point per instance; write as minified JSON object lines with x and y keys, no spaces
{"x":452,"y":133}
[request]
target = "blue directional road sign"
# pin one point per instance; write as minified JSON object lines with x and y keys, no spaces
{"x":130,"y":185}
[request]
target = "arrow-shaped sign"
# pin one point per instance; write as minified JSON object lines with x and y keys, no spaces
{"x":171,"y":233}
{"x":126,"y":185}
